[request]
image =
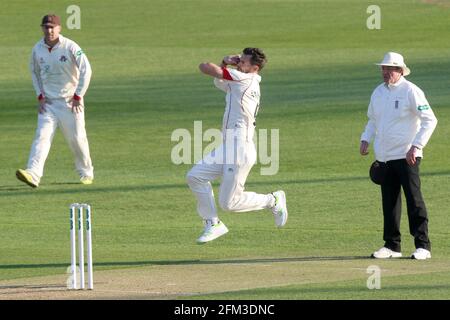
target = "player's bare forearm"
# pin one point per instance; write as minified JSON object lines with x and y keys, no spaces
{"x":211,"y":69}
{"x":215,"y":70}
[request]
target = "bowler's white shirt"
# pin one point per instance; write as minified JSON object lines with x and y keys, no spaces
{"x":60,"y":72}
{"x":399,"y":117}
{"x":242,"y":100}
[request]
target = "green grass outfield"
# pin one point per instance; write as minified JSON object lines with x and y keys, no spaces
{"x":146,"y":83}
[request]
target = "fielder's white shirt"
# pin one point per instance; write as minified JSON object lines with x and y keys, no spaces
{"x":61,"y":71}
{"x":242,"y":100}
{"x":399,"y":117}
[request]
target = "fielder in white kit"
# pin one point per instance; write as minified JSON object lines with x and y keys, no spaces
{"x":234,"y":158}
{"x":61,"y":74}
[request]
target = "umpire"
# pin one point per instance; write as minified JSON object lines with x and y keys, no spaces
{"x":400,"y":122}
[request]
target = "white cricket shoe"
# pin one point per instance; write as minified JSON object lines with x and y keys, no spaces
{"x":86,"y":180}
{"x":421,"y":254}
{"x":212,"y":231}
{"x":385,"y":253}
{"x":25,"y":176}
{"x":279,"y":210}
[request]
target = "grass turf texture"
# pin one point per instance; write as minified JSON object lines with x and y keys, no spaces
{"x":315,"y":89}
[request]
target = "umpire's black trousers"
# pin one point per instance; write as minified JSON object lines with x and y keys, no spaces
{"x":400,"y":174}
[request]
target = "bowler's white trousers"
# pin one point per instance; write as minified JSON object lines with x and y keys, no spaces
{"x":59,"y":114}
{"x":232,"y":161}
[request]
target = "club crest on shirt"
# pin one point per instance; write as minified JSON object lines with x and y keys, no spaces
{"x":254,"y":94}
{"x":41,"y":60}
{"x":63,"y":58}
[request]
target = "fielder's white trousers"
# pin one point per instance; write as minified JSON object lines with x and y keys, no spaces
{"x":232,"y":196}
{"x":59,"y":114}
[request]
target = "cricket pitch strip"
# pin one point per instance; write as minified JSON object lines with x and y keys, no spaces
{"x":185,"y":280}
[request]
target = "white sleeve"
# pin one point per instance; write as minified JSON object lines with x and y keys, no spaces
{"x":369,"y":132}
{"x":427,"y":118}
{"x":35,"y":75}
{"x":221,"y":84}
{"x":84,"y":67}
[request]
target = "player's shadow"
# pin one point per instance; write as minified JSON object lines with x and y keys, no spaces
{"x":23,"y":190}
{"x":13,"y":188}
{"x":191,"y":262}
{"x":63,"y":183}
{"x":34,"y":286}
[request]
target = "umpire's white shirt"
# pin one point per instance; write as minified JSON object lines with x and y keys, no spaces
{"x":61,"y":71}
{"x":399,"y":117}
{"x":242,"y":101}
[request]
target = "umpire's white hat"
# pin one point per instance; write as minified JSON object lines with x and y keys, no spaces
{"x":394,"y":59}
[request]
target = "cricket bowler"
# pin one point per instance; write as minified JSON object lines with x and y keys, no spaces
{"x":238,"y":76}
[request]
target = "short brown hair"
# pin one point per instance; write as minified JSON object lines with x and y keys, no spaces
{"x":257,"y":56}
